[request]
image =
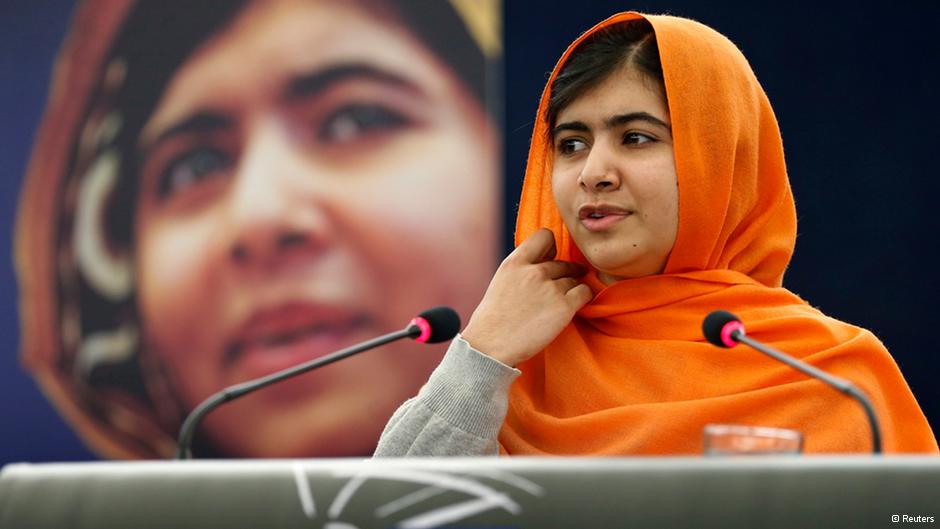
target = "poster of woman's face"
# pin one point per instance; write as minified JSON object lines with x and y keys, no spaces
{"x":222,"y":190}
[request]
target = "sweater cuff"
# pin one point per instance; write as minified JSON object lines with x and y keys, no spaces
{"x":470,"y":390}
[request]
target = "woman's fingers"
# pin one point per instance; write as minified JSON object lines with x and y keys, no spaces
{"x":540,"y":246}
{"x":576,"y":293}
{"x":529,"y":301}
{"x":559,"y":269}
{"x":579,"y":296}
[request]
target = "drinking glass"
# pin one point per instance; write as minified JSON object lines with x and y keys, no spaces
{"x":736,"y":439}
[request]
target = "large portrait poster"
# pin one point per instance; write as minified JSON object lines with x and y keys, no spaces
{"x":220,"y":190}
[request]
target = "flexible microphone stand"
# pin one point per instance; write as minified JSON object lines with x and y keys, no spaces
{"x":724,"y":329}
{"x":238,"y":390}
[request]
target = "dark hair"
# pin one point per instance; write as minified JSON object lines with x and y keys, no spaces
{"x":439,"y":26}
{"x":630,"y":43}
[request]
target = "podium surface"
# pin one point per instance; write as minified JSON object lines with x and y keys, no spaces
{"x":783,"y":491}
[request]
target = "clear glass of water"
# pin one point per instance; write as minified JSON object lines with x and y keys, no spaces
{"x":736,"y":439}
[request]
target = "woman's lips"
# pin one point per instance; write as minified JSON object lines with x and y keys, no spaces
{"x":291,"y":334}
{"x":600,"y":217}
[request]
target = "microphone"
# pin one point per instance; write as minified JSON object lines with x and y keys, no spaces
{"x":431,"y":326}
{"x":724,"y":329}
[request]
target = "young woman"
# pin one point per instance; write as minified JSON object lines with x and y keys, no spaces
{"x":655,"y":192}
{"x":224,"y":189}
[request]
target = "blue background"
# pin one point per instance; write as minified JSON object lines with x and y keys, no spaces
{"x":854,"y":89}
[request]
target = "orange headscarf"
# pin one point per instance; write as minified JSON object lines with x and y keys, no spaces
{"x":632,"y":373}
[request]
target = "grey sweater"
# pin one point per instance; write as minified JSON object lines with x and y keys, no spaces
{"x":457,"y":413}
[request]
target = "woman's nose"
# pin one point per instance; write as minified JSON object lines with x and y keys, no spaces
{"x":599,"y":172}
{"x":273,"y":215}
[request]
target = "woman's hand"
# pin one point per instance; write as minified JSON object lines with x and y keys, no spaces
{"x":529,"y":301}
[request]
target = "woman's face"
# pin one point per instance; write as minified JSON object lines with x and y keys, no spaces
{"x":312,"y":177}
{"x":614,"y":176}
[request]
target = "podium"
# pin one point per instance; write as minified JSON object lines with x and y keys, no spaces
{"x":571,"y":493}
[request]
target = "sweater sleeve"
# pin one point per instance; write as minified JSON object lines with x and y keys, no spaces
{"x":459,"y":411}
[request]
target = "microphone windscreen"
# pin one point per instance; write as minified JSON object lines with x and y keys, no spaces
{"x":713,"y":325}
{"x":444,"y":322}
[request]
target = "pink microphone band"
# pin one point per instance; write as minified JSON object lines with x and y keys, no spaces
{"x":425,"y":327}
{"x":729,"y":328}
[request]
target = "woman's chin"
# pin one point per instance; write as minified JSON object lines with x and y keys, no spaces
{"x":609,"y":277}
{"x":612,"y":267}
{"x":330,"y":426}
{"x":299,"y":445}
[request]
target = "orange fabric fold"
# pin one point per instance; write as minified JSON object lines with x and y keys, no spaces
{"x":632,"y":373}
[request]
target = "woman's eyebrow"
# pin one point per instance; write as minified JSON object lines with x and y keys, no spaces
{"x":623,"y":119}
{"x":199,"y":122}
{"x":612,"y":122}
{"x":576,"y":126}
{"x":317,"y":81}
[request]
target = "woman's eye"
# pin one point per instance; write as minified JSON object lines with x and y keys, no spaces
{"x":571,"y":146}
{"x":191,"y":168}
{"x":636,"y":138}
{"x":353,"y":122}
